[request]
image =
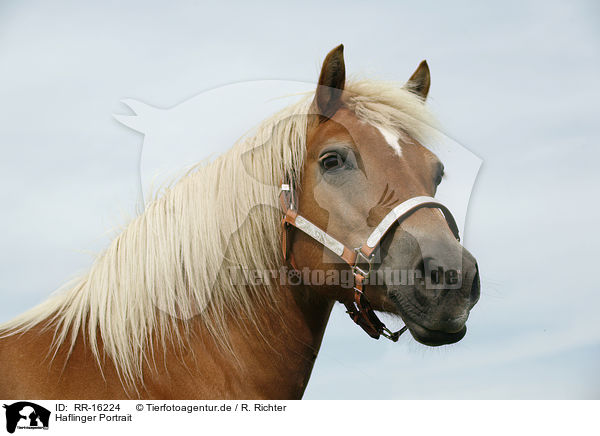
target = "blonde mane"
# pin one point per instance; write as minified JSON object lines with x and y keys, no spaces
{"x":170,"y":256}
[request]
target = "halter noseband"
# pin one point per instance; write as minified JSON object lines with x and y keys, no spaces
{"x":360,"y":259}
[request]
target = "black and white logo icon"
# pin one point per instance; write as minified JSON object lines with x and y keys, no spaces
{"x":26,"y":415}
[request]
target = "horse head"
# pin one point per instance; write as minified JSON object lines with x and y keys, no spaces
{"x":356,"y":170}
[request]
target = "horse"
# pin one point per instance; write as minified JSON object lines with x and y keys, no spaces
{"x":163,"y":314}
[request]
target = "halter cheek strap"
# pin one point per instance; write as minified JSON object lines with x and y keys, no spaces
{"x":360,"y":259}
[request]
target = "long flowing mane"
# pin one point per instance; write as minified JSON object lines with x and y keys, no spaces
{"x":170,"y":256}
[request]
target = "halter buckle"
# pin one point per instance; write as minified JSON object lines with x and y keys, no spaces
{"x":361,"y":259}
{"x":286,"y":195}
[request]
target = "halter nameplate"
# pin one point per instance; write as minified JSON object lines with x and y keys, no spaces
{"x":404,"y":209}
{"x":319,"y":235}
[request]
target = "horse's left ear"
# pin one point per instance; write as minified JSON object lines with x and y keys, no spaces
{"x":420,"y":81}
{"x":332,"y":79}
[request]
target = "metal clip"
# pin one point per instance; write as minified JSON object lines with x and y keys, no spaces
{"x":393,"y":336}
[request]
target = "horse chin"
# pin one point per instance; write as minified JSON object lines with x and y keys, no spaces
{"x":433,"y":336}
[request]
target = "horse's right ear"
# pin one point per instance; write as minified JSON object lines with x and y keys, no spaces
{"x":332,"y":79}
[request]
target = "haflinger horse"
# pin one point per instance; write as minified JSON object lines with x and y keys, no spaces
{"x":160,"y":315}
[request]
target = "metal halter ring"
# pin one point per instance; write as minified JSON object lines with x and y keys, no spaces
{"x":393,"y":336}
{"x":368,"y":260}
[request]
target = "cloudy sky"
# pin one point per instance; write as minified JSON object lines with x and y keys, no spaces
{"x":516,"y":83}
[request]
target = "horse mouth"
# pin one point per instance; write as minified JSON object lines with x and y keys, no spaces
{"x":434,"y":338}
{"x":449,"y":333}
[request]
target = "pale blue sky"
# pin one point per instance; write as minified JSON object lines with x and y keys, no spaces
{"x":515,"y":82}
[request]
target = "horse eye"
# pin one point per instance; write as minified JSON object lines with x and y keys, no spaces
{"x":331,"y":161}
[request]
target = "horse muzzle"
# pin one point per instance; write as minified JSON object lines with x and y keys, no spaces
{"x":435,"y":294}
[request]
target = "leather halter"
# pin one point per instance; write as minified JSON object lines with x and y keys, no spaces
{"x":360,"y":259}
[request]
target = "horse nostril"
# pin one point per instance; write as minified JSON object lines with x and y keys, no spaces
{"x":428,"y":269}
{"x":419,"y":268}
{"x":420,"y":271}
{"x":422,"y":293}
{"x":475,"y":286}
{"x":418,"y":274}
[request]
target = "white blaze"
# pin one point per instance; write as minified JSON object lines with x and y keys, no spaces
{"x":392,"y":138}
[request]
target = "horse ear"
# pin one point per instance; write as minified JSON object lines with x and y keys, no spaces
{"x":420,"y":81}
{"x":332,"y":79}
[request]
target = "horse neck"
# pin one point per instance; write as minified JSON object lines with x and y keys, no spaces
{"x":271,"y":359}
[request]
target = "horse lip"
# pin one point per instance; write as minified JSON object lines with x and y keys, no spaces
{"x":435,"y":338}
{"x":453,"y":330}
